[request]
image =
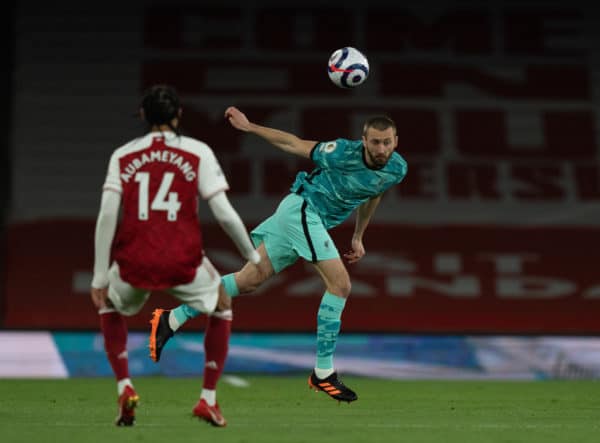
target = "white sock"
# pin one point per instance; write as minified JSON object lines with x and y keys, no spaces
{"x":323,"y":373}
{"x":122,"y":383}
{"x":173,"y":323}
{"x":209,"y":395}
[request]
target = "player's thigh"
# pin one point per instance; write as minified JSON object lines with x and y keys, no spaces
{"x":294,"y":231}
{"x":201,"y":293}
{"x":274,"y":238}
{"x":253,"y":275}
{"x":335,"y":275}
{"x":315,"y":244}
{"x":126,"y":299}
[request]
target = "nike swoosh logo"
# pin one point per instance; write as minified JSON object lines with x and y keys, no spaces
{"x":336,"y":69}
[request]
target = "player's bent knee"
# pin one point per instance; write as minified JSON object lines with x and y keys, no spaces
{"x":250,"y":287}
{"x":251,"y":278}
{"x":346,"y":290}
{"x":341,"y":289}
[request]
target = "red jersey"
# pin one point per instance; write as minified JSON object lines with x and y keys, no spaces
{"x":161,"y":176}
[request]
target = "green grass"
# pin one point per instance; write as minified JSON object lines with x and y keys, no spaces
{"x":282,"y":409}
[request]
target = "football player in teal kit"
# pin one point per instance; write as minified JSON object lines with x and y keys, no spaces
{"x":349,"y":175}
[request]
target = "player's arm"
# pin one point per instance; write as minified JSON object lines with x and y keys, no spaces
{"x":232,"y":224}
{"x":283,"y":140}
{"x":363,"y":215}
{"x":106,"y":225}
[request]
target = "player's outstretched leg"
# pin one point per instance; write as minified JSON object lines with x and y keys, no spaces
{"x":332,"y":386}
{"x":160,"y":333}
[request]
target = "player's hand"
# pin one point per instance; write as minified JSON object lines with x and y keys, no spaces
{"x":99,"y":297}
{"x":357,"y":252}
{"x":237,"y":118}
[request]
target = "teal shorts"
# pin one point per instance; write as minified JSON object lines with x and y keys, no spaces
{"x":293,"y":231}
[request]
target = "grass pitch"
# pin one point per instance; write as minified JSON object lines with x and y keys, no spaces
{"x":283,"y":409}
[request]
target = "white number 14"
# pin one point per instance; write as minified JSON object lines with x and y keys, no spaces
{"x":163,"y":200}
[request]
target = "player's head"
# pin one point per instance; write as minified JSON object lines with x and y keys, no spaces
{"x":160,"y":106}
{"x":380,"y":139}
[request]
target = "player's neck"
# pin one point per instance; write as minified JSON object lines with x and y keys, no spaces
{"x":165,"y":128}
{"x":161,"y":128}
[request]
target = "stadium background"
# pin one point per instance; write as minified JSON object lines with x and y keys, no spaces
{"x":482,"y":263}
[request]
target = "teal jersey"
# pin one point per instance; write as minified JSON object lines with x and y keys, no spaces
{"x":342,"y":180}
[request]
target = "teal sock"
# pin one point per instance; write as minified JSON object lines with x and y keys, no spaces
{"x":328,"y":328}
{"x":230,"y":285}
{"x":183,"y":313}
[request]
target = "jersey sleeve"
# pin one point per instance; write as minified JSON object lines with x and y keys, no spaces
{"x":327,"y":154}
{"x":113,"y":179}
{"x":211,"y":179}
{"x":402,"y":168}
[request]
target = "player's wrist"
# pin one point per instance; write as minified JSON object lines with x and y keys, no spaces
{"x":100,"y":281}
{"x":254,"y":257}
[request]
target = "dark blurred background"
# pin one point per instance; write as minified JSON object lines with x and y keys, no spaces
{"x":495,"y":229}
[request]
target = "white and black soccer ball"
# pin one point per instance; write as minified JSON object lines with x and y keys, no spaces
{"x":348,"y":67}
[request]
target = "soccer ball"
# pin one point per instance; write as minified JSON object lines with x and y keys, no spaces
{"x":348,"y":67}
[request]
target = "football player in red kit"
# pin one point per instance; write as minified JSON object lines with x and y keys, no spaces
{"x":156,"y":180}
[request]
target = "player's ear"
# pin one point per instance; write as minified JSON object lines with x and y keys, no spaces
{"x":142,"y":114}
{"x":179,"y":113}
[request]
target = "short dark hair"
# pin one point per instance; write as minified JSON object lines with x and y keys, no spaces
{"x":161,"y":105}
{"x":379,"y":122}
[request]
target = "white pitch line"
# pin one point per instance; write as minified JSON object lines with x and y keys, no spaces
{"x":346,"y":425}
{"x":236,"y":381}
